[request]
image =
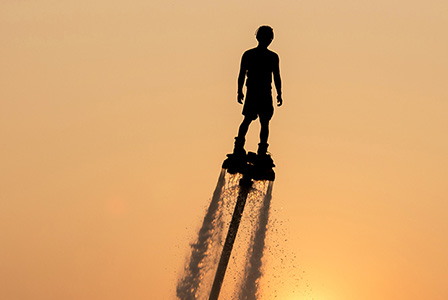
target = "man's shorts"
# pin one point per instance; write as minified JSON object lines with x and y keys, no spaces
{"x":258,"y":104}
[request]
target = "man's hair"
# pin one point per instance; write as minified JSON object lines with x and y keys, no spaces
{"x":265,"y":33}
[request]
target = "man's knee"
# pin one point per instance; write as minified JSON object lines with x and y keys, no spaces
{"x":264,"y":122}
{"x":247,"y":120}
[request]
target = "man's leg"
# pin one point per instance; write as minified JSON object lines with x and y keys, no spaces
{"x":244,"y":127}
{"x":264,"y":134}
{"x":264,"y":130}
{"x":241,"y":138}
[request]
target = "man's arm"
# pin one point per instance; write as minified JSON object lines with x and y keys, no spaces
{"x":241,"y":78}
{"x":278,"y":80}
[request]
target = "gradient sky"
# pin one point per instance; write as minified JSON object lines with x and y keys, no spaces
{"x":115,"y":117}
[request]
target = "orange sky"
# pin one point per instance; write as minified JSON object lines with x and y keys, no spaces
{"x":115,"y":117}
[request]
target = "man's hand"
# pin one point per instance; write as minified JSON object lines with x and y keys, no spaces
{"x":240,"y":98}
{"x":279,"y":100}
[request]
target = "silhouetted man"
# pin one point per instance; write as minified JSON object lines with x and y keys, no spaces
{"x":259,"y":65}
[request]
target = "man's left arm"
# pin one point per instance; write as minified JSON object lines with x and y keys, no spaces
{"x":278,"y":80}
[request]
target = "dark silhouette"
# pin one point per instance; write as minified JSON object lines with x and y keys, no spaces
{"x":259,"y":65}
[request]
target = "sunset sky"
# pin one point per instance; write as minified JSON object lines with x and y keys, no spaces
{"x":115,"y":117}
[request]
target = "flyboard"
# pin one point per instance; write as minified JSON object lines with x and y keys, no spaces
{"x":252,"y":167}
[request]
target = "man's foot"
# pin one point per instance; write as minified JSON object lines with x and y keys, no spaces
{"x":239,"y":152}
{"x":239,"y":146}
{"x":262,"y":149}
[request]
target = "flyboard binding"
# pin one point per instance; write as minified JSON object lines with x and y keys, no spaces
{"x":250,"y":165}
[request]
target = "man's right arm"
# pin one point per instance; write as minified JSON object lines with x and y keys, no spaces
{"x":242,"y":78}
{"x":278,"y":80}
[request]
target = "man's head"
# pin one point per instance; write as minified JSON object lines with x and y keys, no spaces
{"x":265,"y":35}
